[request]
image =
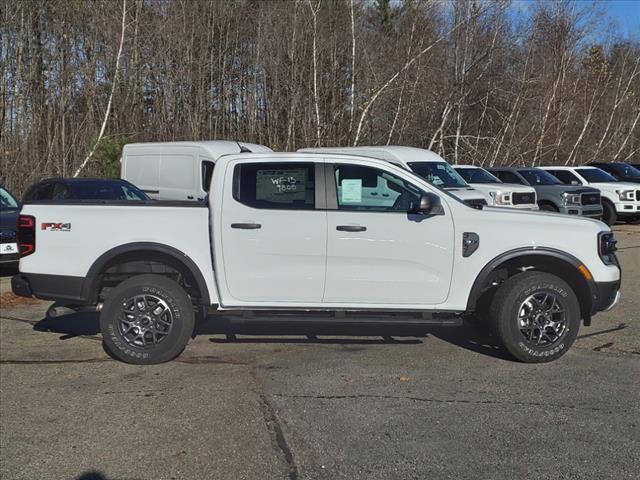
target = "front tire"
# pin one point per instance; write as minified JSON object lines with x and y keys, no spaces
{"x":536,"y":316}
{"x":147,"y":319}
{"x":547,"y":207}
{"x":609,"y":215}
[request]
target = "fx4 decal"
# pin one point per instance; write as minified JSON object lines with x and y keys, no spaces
{"x":56,"y":227}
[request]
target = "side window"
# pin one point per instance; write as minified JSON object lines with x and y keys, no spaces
{"x":573,"y":179}
{"x":563,"y":175}
{"x":289,"y":186}
{"x":367,"y":188}
{"x":207,"y":172}
{"x":508,"y":177}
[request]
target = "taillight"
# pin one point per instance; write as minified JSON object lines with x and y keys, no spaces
{"x":26,"y":235}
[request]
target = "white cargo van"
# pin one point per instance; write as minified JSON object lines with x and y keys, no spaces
{"x":177,"y":170}
{"x":425,"y":163}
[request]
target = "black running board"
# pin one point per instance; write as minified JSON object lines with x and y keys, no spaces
{"x":338,"y":318}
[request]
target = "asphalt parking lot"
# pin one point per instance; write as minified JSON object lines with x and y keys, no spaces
{"x":320,"y":403}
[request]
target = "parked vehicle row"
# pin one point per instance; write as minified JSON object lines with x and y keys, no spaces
{"x":320,"y":236}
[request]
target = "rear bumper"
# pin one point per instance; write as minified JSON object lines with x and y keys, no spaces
{"x":9,"y":259}
{"x":48,"y":287}
{"x":606,"y":295}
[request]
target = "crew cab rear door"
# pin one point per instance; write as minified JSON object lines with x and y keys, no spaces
{"x":274,"y":232}
{"x":378,"y":254}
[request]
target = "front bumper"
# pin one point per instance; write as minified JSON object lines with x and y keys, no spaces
{"x":606,"y":295}
{"x":590,"y":212}
{"x":627,"y":208}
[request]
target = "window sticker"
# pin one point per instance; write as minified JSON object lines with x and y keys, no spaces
{"x":351,"y":191}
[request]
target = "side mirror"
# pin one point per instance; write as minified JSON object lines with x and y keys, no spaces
{"x":575,"y":182}
{"x":426,"y":205}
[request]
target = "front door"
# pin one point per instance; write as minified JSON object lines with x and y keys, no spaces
{"x":274,"y":236}
{"x":378,"y":254}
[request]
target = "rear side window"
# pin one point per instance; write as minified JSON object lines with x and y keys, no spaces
{"x":289,"y":186}
{"x":508,"y":177}
{"x":565,"y":176}
{"x":207,"y":172}
{"x":42,"y":192}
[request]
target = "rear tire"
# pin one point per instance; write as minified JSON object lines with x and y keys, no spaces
{"x":147,"y":319}
{"x":536,"y":316}
{"x":609,"y":215}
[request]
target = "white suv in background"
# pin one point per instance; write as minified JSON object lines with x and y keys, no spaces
{"x":620,"y":200}
{"x":497,"y":193}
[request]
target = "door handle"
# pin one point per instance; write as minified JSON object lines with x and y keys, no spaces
{"x":351,"y":228}
{"x":246,"y":226}
{"x":190,"y":197}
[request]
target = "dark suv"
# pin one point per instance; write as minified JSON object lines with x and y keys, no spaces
{"x":553,"y":195}
{"x":9,"y":209}
{"x":84,"y":189}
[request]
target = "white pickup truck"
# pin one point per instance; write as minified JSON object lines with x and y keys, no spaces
{"x":620,"y":200}
{"x":294,"y":235}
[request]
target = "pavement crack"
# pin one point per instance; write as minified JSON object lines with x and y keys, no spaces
{"x":444,"y":401}
{"x":274,"y":426}
{"x":53,"y":362}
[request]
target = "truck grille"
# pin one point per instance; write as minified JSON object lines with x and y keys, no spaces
{"x":521,"y":198}
{"x":638,"y":195}
{"x":590,"y":198}
{"x":476,"y":203}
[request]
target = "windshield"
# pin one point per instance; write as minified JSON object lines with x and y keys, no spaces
{"x":535,"y":176}
{"x":595,"y":175}
{"x":477,"y":175}
{"x":106,"y":190}
{"x":625,"y":170}
{"x":438,"y":174}
{"x":7,"y":202}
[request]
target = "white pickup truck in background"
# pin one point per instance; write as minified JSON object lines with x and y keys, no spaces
{"x":620,"y":200}
{"x":496,"y":192}
{"x":315,"y":236}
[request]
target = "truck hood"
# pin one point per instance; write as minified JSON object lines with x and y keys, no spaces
{"x":613,"y":186}
{"x":545,"y":219}
{"x":502,"y":187}
{"x":560,"y":189}
{"x":465,"y":193}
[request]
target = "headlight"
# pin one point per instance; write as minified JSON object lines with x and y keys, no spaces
{"x":607,"y":248}
{"x":625,"y":194}
{"x":571,"y":198}
{"x":500,"y":198}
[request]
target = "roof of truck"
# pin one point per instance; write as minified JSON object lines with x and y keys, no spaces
{"x":216,"y":148}
{"x":384,"y":152}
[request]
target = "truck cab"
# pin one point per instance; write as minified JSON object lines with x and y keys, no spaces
{"x":553,"y":195}
{"x":177,"y":170}
{"x":496,"y":192}
{"x":424,"y":163}
{"x":620,"y":200}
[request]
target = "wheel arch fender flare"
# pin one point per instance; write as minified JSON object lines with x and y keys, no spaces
{"x":104,"y":261}
{"x":540,"y":257}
